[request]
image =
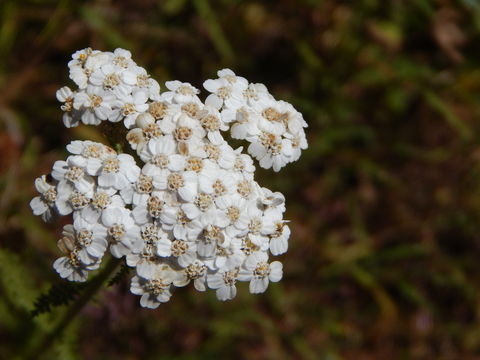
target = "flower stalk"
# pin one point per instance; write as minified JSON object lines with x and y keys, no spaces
{"x":47,"y":340}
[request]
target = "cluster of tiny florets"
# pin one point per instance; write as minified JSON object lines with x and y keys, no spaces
{"x":191,"y":211}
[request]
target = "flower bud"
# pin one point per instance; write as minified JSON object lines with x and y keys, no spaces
{"x":144,"y":119}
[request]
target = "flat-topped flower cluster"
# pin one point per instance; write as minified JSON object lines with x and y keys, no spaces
{"x":191,"y":211}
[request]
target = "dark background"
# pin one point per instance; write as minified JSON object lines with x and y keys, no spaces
{"x":384,"y":205}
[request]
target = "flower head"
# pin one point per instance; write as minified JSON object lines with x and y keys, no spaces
{"x":180,"y":205}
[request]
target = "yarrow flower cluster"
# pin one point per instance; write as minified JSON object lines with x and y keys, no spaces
{"x":191,"y":211}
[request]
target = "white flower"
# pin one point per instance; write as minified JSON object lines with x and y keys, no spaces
{"x":145,"y":130}
{"x":228,"y":90}
{"x":279,"y":239}
{"x":222,"y":154}
{"x":109,"y":78}
{"x":139,"y":192}
{"x":180,"y":92}
{"x":212,"y":123}
{"x":243,"y":163}
{"x":299,"y":143}
{"x":196,"y":271}
{"x":71,"y":117}
{"x":230,"y":76}
{"x":161,"y":160}
{"x":160,"y":109}
{"x":256,"y":93}
{"x":182,"y":183}
{"x":224,"y":283}
{"x":122,"y":58}
{"x":76,"y":264}
{"x":269,"y":148}
{"x":118,"y":171}
{"x":102,"y":199}
{"x":144,"y":82}
{"x":259,"y":225}
{"x":128,"y":107}
{"x":235,"y":208}
{"x":67,"y":171}
{"x":269,"y":199}
{"x":124,"y":233}
{"x":292,"y":118}
{"x":149,"y":209}
{"x":215,"y":181}
{"x":95,"y":105}
{"x":187,"y":133}
{"x":89,"y":155}
{"x":245,"y":187}
{"x":259,"y":272}
{"x":44,"y":205}
{"x":83,"y":63}
{"x":69,"y":199}
{"x":156,"y":290}
{"x":183,"y":228}
{"x":89,"y":150}
{"x":184,"y":251}
{"x":211,"y":236}
{"x":92,"y":238}
{"x":80,"y":56}
{"x":281,"y":137}
{"x":204,"y":210}
{"x":184,"y":128}
{"x":228,"y":255}
{"x":202,"y":203}
{"x":245,"y":122}
{"x":144,"y":257}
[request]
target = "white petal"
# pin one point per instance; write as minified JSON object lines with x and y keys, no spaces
{"x":176,"y":162}
{"x":256,"y":150}
{"x":146,"y":270}
{"x":139,"y":97}
{"x":211,"y":85}
{"x":186,"y":259}
{"x":266,"y":162}
{"x":63,"y":207}
{"x":75,"y":147}
{"x":93,"y":166}
{"x":227,"y":292}
{"x":276,"y":271}
{"x":258,"y":285}
{"x":164,"y":248}
{"x":215,"y":281}
{"x":102,"y":112}
{"x":63,"y":93}
{"x":245,"y":275}
{"x":188,"y":193}
{"x":140,"y":214}
{"x":278,"y":246}
{"x":38,"y":206}
{"x":199,"y":284}
{"x":106,"y":179}
{"x":213,"y":101}
{"x":216,"y":138}
{"x":147,"y":302}
{"x":129,"y":77}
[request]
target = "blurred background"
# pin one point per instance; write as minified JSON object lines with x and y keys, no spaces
{"x":384,"y":205}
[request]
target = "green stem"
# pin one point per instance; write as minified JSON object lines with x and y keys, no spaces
{"x":220,"y":41}
{"x":92,"y":288}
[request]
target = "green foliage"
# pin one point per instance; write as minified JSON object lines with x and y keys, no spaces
{"x":15,"y":280}
{"x":119,"y":276}
{"x":59,"y":294}
{"x":65,"y":292}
